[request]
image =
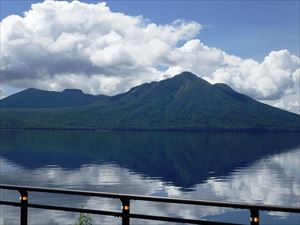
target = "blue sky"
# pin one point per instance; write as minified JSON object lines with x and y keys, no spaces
{"x":252,"y":46}
{"x":244,"y":28}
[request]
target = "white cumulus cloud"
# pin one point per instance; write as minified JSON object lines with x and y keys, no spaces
{"x":271,"y":79}
{"x":59,"y":44}
{"x":275,"y":80}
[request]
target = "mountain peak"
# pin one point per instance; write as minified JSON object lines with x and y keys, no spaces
{"x":187,"y":75}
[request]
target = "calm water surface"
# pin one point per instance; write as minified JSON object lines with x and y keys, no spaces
{"x":234,"y":167}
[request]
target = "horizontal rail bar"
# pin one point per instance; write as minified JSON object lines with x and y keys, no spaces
{"x":70,"y":209}
{"x":17,"y":204}
{"x":155,"y":199}
{"x":62,"y":208}
{"x":116,"y":214}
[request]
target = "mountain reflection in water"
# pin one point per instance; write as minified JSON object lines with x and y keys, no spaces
{"x":244,"y":167}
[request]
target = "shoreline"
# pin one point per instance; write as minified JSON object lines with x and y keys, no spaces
{"x":253,"y":130}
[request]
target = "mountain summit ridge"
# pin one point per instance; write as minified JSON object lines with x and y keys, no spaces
{"x":37,"y":98}
{"x":183,"y":102}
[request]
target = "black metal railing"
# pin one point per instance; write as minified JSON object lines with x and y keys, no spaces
{"x":125,"y":214}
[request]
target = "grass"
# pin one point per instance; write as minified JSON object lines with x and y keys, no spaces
{"x":84,"y":219}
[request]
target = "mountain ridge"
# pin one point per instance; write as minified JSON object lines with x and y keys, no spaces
{"x":183,"y":102}
{"x":37,"y":98}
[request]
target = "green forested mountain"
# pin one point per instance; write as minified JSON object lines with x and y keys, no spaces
{"x":184,"y":102}
{"x":35,"y":98}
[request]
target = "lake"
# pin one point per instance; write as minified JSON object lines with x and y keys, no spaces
{"x":235,"y":167}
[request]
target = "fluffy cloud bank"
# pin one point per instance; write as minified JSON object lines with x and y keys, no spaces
{"x":61,"y":44}
{"x":58,"y":44}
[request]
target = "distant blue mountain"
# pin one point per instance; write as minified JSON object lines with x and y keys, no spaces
{"x":183,"y":102}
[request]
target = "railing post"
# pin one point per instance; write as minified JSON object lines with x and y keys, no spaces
{"x":24,"y":208}
{"x":254,"y":218}
{"x":125,"y":211}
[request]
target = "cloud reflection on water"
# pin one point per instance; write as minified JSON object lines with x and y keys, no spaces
{"x":271,"y":180}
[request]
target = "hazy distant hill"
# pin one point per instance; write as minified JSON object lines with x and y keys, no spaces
{"x":35,"y":98}
{"x":184,"y":102}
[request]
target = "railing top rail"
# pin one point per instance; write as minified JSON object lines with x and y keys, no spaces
{"x":152,"y":198}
